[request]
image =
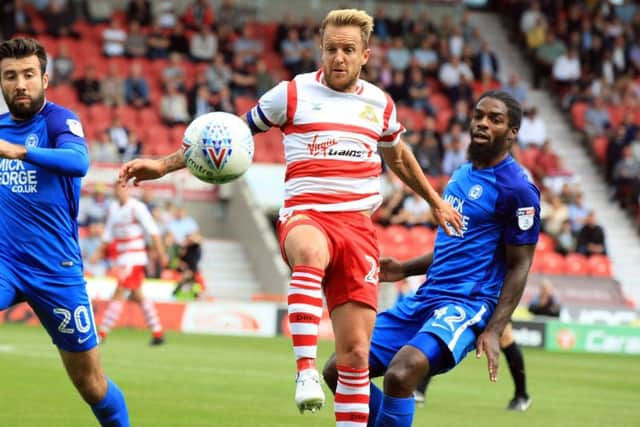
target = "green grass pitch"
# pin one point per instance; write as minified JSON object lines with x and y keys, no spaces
{"x":198,"y":380}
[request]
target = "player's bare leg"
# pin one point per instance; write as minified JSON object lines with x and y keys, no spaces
{"x":86,"y":374}
{"x":104,"y":397}
{"x":352,"y":325}
{"x":308,"y":255}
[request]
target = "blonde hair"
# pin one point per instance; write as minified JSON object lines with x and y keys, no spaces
{"x":349,"y":17}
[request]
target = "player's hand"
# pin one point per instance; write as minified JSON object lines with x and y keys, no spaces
{"x":140,"y":170}
{"x":489,"y":343}
{"x":11,"y":151}
{"x":446,"y":216}
{"x":391,"y":270}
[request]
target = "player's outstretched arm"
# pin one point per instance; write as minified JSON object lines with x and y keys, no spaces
{"x":403,"y":163}
{"x":392,"y":270}
{"x":147,"y":169}
{"x":519,"y":260}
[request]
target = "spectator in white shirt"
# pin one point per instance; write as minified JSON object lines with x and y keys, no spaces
{"x":533,"y":131}
{"x":566,"y":68}
{"x":114,"y":38}
{"x":203,"y":45}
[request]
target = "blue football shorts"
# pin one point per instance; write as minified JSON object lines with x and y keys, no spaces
{"x":455,"y":323}
{"x":62,"y":305}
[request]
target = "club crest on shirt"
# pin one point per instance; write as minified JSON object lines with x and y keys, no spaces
{"x":31,"y":141}
{"x":369,"y":114}
{"x":475,"y":192}
{"x":75,"y":127}
{"x":525,"y":217}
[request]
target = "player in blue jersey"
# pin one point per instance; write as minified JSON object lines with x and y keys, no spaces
{"x":477,"y":276}
{"x":392,"y":270}
{"x":43,"y":156}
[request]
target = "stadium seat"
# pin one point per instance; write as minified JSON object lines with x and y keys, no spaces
{"x":396,"y":235}
{"x":243,"y":104}
{"x":528,"y":157}
{"x":616,"y":115}
{"x":600,"y":145}
{"x":576,"y":265}
{"x":410,"y":118}
{"x":599,"y":266}
{"x":578,"y":111}
{"x":552,"y":263}
{"x":545,"y":243}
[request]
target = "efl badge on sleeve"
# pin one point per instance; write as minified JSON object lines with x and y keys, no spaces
{"x":75,"y":127}
{"x":525,"y":217}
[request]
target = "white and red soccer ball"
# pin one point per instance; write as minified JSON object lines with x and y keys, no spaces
{"x":218,"y":147}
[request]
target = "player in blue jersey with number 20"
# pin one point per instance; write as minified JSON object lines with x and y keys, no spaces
{"x":43,"y":156}
{"x":476,"y":278}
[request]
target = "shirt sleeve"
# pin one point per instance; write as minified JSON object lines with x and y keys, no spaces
{"x":271,"y":109}
{"x":68,"y":155}
{"x":521,"y":213}
{"x":391,"y":128}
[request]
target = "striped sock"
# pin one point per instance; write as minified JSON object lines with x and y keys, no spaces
{"x":151,"y":317}
{"x":111,"y":316}
{"x":352,"y":397}
{"x":305,"y":310}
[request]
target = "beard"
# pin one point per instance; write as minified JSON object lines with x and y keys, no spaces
{"x":24,"y":111}
{"x":485,"y":153}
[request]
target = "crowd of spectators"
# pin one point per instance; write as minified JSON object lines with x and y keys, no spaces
{"x":157,"y":68}
{"x":589,"y":54}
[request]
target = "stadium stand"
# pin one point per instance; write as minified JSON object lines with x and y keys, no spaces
{"x":445,"y":123}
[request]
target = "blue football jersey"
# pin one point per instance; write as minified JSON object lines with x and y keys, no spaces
{"x":39,"y":206}
{"x":500,"y":206}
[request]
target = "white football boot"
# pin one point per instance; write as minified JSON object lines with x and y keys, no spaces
{"x":309,"y":394}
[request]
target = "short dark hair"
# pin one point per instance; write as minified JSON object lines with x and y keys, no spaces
{"x":22,"y":48}
{"x":514,"y":110}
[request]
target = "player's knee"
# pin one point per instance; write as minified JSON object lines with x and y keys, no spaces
{"x":311,"y":255}
{"x":330,"y":373}
{"x":402,"y":377}
{"x":91,"y":386}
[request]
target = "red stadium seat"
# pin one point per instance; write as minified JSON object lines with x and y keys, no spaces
{"x":552,"y":263}
{"x":545,"y":243}
{"x":243,"y":104}
{"x":396,"y":235}
{"x":600,"y":145}
{"x":410,"y":118}
{"x":422,"y":237}
{"x":599,"y":266}
{"x":578,"y":111}
{"x":576,"y":265}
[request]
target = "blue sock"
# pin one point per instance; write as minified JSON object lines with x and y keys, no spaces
{"x":112,"y":410}
{"x":396,"y":412}
{"x":375,"y":400}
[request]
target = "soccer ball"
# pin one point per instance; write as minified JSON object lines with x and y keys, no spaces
{"x":217,"y":147}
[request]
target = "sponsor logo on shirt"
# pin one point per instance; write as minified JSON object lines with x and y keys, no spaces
{"x":320,"y":147}
{"x":14,"y":175}
{"x":525,"y":217}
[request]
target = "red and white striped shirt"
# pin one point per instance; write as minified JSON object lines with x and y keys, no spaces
{"x":331,"y":140}
{"x":126,"y":226}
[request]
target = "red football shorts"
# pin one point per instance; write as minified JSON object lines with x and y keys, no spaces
{"x":352,"y":274}
{"x":130,"y":277}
